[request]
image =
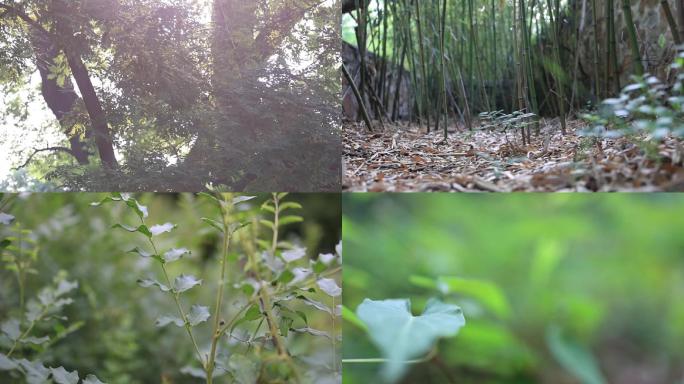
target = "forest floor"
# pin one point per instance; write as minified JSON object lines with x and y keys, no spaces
{"x":403,"y":158}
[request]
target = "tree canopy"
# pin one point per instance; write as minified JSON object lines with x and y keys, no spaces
{"x":170,"y":95}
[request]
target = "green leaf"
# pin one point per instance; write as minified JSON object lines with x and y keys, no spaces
{"x":243,"y":369}
{"x":662,"y":41}
{"x":139,"y":210}
{"x":312,"y":332}
{"x":573,"y":357}
{"x":286,"y":277}
{"x":252,"y":313}
{"x":266,"y":206}
{"x":319,"y":267}
{"x":285,"y":220}
{"x":316,"y":304}
{"x":486,"y":293}
{"x":267,"y":223}
{"x":289,"y":205}
{"x":285,"y":324}
{"x":62,"y":376}
{"x":240,"y":199}
{"x":209,"y":195}
{"x":213,"y":223}
{"x":174,"y":254}
{"x":350,"y":316}
{"x":158,"y":229}
{"x":141,"y":252}
{"x":166,"y":320}
{"x":184,"y":282}
{"x":198,"y":314}
{"x":92,"y":379}
{"x":236,"y":226}
{"x":401,"y":336}
{"x":141,"y":228}
{"x":146,"y":283}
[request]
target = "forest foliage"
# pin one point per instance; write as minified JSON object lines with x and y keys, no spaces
{"x":147,"y":95}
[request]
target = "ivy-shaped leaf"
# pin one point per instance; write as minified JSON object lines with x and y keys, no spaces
{"x":293,"y":254}
{"x":143,"y":253}
{"x":184,"y":282}
{"x":5,"y":218}
{"x":166,"y":320}
{"x":174,"y":254}
{"x":198,"y":314}
{"x":62,"y":376}
{"x":6,"y":364}
{"x":92,"y":379}
{"x":158,"y":229}
{"x":401,"y":336}
{"x":326,"y":258}
{"x":141,"y":228}
{"x":35,"y":371}
{"x":330,"y":287}
{"x":146,"y":283}
{"x":11,"y":329}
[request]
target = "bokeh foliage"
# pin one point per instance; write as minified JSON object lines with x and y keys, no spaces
{"x":554,"y":288}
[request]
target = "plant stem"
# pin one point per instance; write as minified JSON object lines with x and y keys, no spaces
{"x":178,"y":304}
{"x":378,"y":360}
{"x":27,"y":331}
{"x":219,"y":295}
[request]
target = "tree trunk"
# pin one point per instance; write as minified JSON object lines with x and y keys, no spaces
{"x":352,"y":5}
{"x":680,"y":14}
{"x":98,"y":119}
{"x":60,"y":99}
{"x":240,"y":47}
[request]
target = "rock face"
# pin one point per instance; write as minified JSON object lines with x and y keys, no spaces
{"x":655,"y":39}
{"x":352,"y":60}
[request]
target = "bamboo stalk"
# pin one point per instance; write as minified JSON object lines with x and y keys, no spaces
{"x":633,"y":42}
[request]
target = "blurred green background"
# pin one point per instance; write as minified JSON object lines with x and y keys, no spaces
{"x":555,"y":288}
{"x":118,"y":340}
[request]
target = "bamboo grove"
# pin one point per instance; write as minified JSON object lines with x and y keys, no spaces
{"x":463,"y":57}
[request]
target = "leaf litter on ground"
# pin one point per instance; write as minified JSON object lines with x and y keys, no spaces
{"x":403,"y":158}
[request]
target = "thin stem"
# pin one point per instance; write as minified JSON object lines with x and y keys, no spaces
{"x":379,"y":360}
{"x":178,"y":304}
{"x":219,"y":295}
{"x":27,"y":331}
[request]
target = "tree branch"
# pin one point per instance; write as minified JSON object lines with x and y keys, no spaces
{"x":36,"y":151}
